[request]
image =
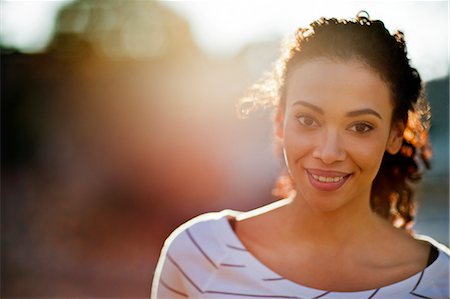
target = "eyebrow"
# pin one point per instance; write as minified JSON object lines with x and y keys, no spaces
{"x":309,"y":105}
{"x":364,"y":111}
{"x":349,"y":114}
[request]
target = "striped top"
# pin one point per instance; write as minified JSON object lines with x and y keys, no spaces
{"x":204,"y":258}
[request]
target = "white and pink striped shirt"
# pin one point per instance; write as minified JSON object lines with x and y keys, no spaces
{"x":204,"y":258}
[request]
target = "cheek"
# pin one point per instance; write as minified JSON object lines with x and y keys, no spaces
{"x":367,"y":155}
{"x":296,"y":145}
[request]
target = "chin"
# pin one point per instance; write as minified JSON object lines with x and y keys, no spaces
{"x":324,"y":202}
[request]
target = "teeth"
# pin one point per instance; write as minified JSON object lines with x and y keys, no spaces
{"x":327,"y":179}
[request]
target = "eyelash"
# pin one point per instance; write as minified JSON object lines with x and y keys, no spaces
{"x":367,"y":126}
{"x":301,"y":119}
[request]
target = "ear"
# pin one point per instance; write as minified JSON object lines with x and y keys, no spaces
{"x":395,"y":140}
{"x":279,"y":125}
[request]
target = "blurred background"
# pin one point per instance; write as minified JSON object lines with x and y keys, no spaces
{"x":118,"y":124}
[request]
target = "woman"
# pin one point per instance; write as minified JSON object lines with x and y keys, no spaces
{"x":351,"y":120}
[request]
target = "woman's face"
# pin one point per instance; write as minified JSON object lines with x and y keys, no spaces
{"x":336,"y":128}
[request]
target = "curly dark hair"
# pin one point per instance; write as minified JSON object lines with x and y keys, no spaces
{"x":369,"y":42}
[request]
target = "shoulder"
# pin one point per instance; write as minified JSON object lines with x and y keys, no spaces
{"x":435,"y":278}
{"x":202,"y":234}
{"x":190,"y":255}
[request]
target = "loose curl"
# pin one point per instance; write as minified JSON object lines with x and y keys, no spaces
{"x":369,"y":42}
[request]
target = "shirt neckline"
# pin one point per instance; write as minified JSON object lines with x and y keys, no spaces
{"x":405,"y":285}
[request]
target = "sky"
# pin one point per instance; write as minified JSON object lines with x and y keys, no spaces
{"x":221,"y":28}
{"x":224,"y":27}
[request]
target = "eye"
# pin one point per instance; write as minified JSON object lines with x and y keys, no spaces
{"x":307,"y":121}
{"x":361,"y":128}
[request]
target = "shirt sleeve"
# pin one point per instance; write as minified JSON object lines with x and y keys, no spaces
{"x":167,"y":281}
{"x":189,"y":260}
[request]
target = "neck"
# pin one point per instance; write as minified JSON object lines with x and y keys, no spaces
{"x":345,"y":226}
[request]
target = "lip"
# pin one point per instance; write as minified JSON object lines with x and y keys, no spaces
{"x":327,"y":185}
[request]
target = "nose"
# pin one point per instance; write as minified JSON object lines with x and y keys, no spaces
{"x":329,"y":148}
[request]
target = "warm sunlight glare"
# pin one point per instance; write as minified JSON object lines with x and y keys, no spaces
{"x":222,"y":28}
{"x":28,"y":25}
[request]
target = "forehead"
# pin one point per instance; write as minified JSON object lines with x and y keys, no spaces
{"x":349,"y":84}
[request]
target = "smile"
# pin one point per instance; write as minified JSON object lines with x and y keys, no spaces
{"x":327,"y":180}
